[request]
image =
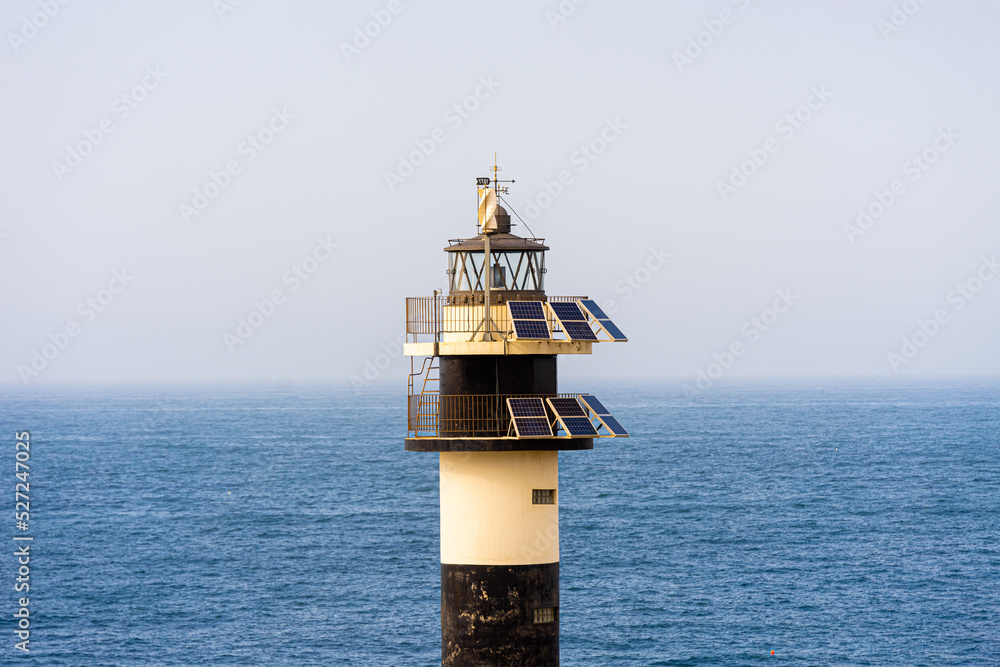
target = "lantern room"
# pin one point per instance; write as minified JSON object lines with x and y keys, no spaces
{"x":517,"y":266}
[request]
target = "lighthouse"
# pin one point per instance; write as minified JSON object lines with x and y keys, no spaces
{"x":483,"y":394}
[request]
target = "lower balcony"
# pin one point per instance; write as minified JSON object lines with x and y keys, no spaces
{"x":504,"y":422}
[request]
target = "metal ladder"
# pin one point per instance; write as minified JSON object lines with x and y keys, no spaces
{"x":427,"y":400}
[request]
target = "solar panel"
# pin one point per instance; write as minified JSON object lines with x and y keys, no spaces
{"x":572,"y":320}
{"x":526,"y":310}
{"x":602,"y":413}
{"x":603,"y":320}
{"x":571,"y":416}
{"x":526,"y":407}
{"x":579,"y":427}
{"x":530,"y":329}
{"x":594,"y":404}
{"x":613,"y":331}
{"x":565,"y":310}
{"x":612,"y":425}
{"x":532,"y":427}
{"x":594,"y":310}
{"x":529,"y":418}
{"x":566,"y":407}
{"x":528,"y":318}
{"x":578,"y":330}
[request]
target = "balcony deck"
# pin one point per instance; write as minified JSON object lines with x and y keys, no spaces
{"x":435,"y":328}
{"x":475,"y":423}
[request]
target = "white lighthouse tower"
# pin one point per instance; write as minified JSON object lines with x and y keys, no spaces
{"x":483,"y":394}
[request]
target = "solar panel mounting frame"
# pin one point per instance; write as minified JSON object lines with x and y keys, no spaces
{"x":603,"y":417}
{"x":563,"y":416}
{"x":605,"y":323}
{"x":577,"y":324}
{"x":531,"y":420}
{"x":534,"y":323}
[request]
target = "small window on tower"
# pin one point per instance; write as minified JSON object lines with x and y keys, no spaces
{"x":545,"y":614}
{"x":543,"y":496}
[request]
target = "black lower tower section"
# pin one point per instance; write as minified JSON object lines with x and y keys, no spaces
{"x":488,"y":615}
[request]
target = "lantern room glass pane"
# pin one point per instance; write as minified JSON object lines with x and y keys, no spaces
{"x":517,"y":270}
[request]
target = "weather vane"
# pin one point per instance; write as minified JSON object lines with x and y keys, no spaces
{"x":486,"y":180}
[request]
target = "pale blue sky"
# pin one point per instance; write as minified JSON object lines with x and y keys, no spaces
{"x":198,"y":82}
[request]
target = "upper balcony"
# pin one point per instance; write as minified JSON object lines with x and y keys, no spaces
{"x":439,"y":325}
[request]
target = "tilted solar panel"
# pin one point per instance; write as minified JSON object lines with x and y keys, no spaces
{"x":532,"y":427}
{"x":531,"y":329}
{"x":613,"y":330}
{"x":612,"y":425}
{"x":578,"y":330}
{"x":567,"y":311}
{"x":567,"y":407}
{"x":594,"y":310}
{"x":578,"y":427}
{"x":526,"y":310}
{"x":526,"y":407}
{"x":572,"y":417}
{"x":603,"y":320}
{"x":604,"y":416}
{"x":594,"y":404}
{"x":529,"y":418}
{"x":528,"y":318}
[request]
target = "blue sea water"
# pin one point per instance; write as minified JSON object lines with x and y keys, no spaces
{"x":834,"y":524}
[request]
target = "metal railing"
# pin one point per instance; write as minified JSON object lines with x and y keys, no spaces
{"x":427,"y":316}
{"x":432,"y":415}
{"x":424,"y":314}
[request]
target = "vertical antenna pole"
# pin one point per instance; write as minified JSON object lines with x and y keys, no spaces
{"x":488,"y":312}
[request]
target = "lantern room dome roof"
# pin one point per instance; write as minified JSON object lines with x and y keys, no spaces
{"x":498,"y":242}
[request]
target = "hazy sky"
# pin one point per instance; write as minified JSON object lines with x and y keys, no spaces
{"x":168,"y":165}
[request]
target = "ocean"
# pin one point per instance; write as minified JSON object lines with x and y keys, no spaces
{"x":835,"y":524}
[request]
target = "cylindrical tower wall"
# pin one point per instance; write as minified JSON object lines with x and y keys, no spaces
{"x":499,"y":558}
